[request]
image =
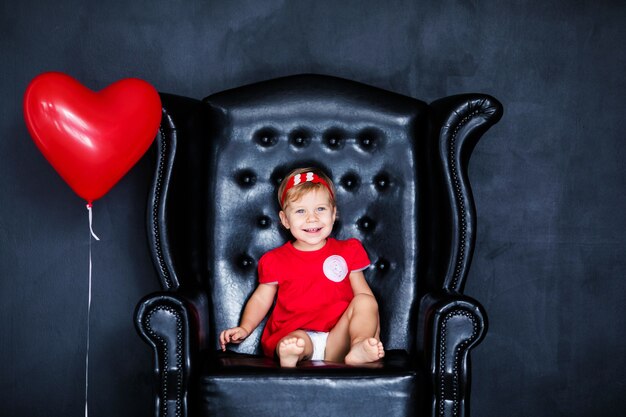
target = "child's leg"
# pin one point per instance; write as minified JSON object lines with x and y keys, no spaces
{"x":355,"y":337}
{"x":293,"y":348}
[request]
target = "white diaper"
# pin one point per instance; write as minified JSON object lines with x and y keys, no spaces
{"x":319,"y":344}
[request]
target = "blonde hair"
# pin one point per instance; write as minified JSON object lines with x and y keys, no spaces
{"x":297,"y":191}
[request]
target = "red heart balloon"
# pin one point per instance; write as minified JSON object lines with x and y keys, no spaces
{"x":91,"y":138}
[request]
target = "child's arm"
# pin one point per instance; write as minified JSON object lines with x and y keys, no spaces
{"x":256,"y":309}
{"x":359,"y":284}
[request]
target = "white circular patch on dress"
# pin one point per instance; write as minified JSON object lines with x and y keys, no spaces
{"x":335,"y":268}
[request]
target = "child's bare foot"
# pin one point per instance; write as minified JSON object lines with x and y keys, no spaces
{"x":365,"y":351}
{"x":289,"y":351}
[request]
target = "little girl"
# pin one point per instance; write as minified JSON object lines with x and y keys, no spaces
{"x":325,"y":310}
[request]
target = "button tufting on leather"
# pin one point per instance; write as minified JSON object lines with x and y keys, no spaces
{"x":334,"y":139}
{"x":277,"y":176}
{"x":382,"y":265}
{"x":382,"y":181}
{"x":245,"y":261}
{"x":366,"y":224}
{"x":369,"y":139}
{"x":266,"y":137}
{"x":350,"y":181}
{"x":264,"y":222}
{"x":300,"y":138}
{"x":246,"y":178}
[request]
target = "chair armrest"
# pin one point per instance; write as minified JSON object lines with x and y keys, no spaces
{"x":176,"y":326}
{"x":451,"y":324}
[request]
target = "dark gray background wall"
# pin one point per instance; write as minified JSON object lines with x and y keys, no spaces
{"x":549,"y":180}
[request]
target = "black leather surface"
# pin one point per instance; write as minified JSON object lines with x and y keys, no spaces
{"x":400,"y":167}
{"x":314,"y":388}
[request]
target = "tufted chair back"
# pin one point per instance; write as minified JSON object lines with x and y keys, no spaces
{"x":371,"y":142}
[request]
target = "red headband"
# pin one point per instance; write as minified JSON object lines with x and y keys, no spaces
{"x":301,"y":178}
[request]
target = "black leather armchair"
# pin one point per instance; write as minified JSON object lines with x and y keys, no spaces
{"x":400,"y":166}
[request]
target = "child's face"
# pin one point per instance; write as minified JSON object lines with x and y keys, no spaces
{"x":310,"y":219}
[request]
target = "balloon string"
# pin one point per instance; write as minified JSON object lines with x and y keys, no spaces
{"x":91,"y":234}
{"x":90,"y":223}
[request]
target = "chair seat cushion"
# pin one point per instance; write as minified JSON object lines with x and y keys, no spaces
{"x":314,"y":388}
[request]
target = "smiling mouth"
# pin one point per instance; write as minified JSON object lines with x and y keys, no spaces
{"x":313,"y":230}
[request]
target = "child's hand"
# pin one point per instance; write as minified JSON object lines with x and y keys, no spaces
{"x":234,"y":335}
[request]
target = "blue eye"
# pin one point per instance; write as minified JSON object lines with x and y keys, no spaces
{"x":300,"y":211}
{"x":321,"y":208}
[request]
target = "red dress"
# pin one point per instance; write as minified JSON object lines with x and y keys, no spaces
{"x":313,"y":287}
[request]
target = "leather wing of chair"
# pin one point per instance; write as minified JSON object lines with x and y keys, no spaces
{"x":400,"y":166}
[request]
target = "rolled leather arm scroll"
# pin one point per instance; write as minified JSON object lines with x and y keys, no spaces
{"x":452,"y":325}
{"x":176,"y":326}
